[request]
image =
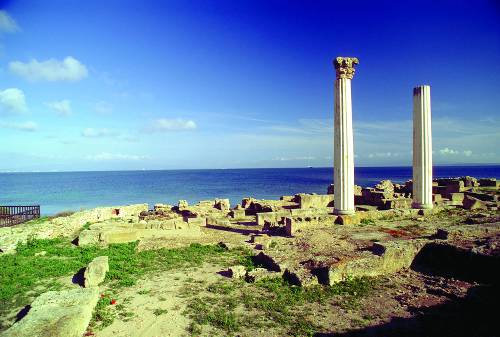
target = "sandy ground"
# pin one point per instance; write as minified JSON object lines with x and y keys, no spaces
{"x":163,"y":291}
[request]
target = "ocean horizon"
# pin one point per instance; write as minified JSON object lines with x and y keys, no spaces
{"x":75,"y":190}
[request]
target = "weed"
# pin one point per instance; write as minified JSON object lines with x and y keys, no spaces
{"x":103,"y":316}
{"x":276,"y":301}
{"x":221,"y":287}
{"x":62,"y":214}
{"x":159,"y":312}
{"x":273,"y":244}
{"x":144,"y":292}
{"x":367,"y":221}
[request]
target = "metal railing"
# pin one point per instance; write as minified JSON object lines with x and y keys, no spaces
{"x":14,"y":215}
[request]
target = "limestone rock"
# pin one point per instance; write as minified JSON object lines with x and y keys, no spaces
{"x":388,"y":257}
{"x":238,"y":271}
{"x":473,"y":203}
{"x":261,"y":273}
{"x":182,"y":204}
{"x":88,"y":237}
{"x":300,"y":277}
{"x":64,"y":313}
{"x":489,"y":182}
{"x":119,"y":235}
{"x":385,"y":185}
{"x":352,"y":219}
{"x":315,"y":200}
{"x":96,"y":271}
{"x":222,"y":204}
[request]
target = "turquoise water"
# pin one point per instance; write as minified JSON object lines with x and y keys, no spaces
{"x":56,"y":192}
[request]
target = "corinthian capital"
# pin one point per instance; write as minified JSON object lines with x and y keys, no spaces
{"x":344,"y":67}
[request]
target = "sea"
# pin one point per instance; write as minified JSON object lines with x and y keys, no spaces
{"x":72,"y":191}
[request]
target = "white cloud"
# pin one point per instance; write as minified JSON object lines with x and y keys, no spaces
{"x":26,"y":126}
{"x":164,"y":124}
{"x":447,"y":151}
{"x":305,"y":126}
{"x":105,"y":156}
{"x":62,"y":108}
{"x":12,"y":100}
{"x":97,"y":133}
{"x":383,"y":155}
{"x":294,"y":158}
{"x":7,"y":23}
{"x":103,"y":107}
{"x":467,"y":153}
{"x":69,"y":69}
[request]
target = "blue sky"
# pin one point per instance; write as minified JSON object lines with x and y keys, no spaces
{"x":104,"y":85}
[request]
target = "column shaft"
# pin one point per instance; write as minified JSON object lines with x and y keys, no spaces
{"x":343,"y":148}
{"x":422,"y":148}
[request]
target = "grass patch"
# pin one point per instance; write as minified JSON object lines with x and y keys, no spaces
{"x":271,"y":303}
{"x":24,"y":275}
{"x":103,"y":314}
{"x":203,"y":312}
{"x":159,"y":312}
{"x":366,"y":221}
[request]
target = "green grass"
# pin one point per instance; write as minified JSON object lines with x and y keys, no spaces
{"x":159,"y":312}
{"x":367,"y":221}
{"x":24,"y":275}
{"x":103,"y":314}
{"x":270,"y":303}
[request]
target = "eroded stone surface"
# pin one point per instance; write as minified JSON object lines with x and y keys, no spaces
{"x":96,"y":271}
{"x":57,"y":314}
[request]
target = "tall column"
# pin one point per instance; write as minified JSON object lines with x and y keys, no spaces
{"x":343,"y":159}
{"x":422,"y":147}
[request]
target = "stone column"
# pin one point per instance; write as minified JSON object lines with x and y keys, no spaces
{"x":343,"y":159}
{"x":422,"y":148}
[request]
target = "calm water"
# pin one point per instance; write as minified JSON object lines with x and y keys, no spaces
{"x":60,"y":191}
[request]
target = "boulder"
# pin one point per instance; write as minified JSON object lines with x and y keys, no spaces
{"x":96,"y":271}
{"x":473,"y":203}
{"x":64,"y":313}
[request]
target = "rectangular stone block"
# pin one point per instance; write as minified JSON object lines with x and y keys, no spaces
{"x":237,"y":214}
{"x":456,"y":199}
{"x":119,"y":236}
{"x":315,"y":200}
{"x":88,"y":237}
{"x":213,"y":221}
{"x":196,"y":221}
{"x":271,"y":217}
{"x":489,"y":182}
